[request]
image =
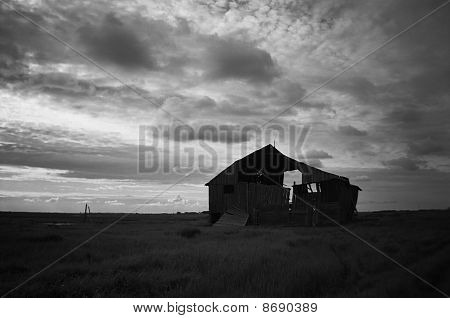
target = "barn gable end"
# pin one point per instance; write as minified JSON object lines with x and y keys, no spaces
{"x":254,"y":184}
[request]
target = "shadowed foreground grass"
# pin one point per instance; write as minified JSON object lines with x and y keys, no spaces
{"x":181,"y":256}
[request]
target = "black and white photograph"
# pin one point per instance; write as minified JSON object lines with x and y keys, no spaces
{"x":265,"y":156}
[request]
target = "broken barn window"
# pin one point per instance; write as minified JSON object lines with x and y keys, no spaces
{"x":313,"y":187}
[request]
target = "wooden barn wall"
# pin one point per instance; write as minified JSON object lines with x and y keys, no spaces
{"x":316,"y":175}
{"x":347,"y":202}
{"x":259,"y":200}
{"x":301,"y":212}
{"x":340,"y":210}
{"x":267,"y":203}
{"x":227,"y":176}
{"x":219,"y":201}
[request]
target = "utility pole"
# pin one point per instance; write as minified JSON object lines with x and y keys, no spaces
{"x":85,"y":212}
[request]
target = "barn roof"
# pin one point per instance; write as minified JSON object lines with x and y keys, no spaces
{"x":270,"y":161}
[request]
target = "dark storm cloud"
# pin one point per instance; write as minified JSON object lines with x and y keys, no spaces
{"x":359,"y":87}
{"x":427,"y":86}
{"x":252,"y":109}
{"x":115,"y":42}
{"x":429,"y":146}
{"x":361,"y":178}
{"x":21,"y":43}
{"x":108,"y":159}
{"x":227,"y":108}
{"x":407,"y":115}
{"x":59,"y":83}
{"x":317,"y":154}
{"x":422,"y":130}
{"x":74,"y":93}
{"x":231,"y":105}
{"x":412,"y":95}
{"x":103,"y":162}
{"x":362,"y":147}
{"x":221,"y":133}
{"x":206,"y":103}
{"x":127,"y":40}
{"x":285,"y":93}
{"x":233,"y":59}
{"x":405,"y":163}
{"x":288,"y":92}
{"x":53,"y":139}
{"x":425,"y":48}
{"x":134,"y":42}
{"x":349,"y":130}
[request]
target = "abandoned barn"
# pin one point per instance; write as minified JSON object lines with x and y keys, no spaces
{"x":252,"y":191}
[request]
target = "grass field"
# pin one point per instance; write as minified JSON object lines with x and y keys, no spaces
{"x":182,"y":256}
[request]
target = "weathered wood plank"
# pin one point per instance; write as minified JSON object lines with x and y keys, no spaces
{"x":234,"y":216}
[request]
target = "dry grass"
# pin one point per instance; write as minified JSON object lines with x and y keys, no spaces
{"x":181,"y":256}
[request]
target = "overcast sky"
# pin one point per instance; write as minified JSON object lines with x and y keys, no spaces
{"x":69,"y":131}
